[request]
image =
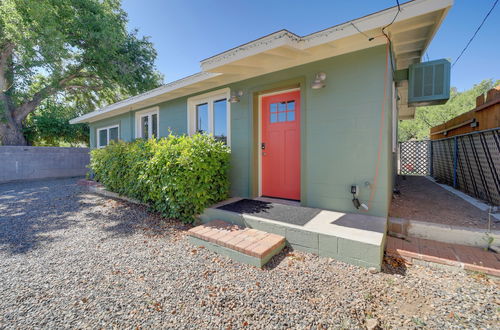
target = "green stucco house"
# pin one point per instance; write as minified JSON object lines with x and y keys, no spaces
{"x":306,"y":117}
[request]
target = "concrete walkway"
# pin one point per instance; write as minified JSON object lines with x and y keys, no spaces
{"x":424,"y":200}
{"x":454,"y":255}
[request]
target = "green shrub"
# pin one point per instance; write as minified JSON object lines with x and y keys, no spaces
{"x":178,"y":175}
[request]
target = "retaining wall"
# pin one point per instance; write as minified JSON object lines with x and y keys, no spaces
{"x":19,"y":163}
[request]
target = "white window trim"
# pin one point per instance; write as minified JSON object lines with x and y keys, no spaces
{"x":209,"y":98}
{"x":107,"y":128}
{"x":143,"y":113}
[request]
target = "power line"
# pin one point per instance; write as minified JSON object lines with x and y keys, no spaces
{"x":475,"y":33}
{"x":387,"y":37}
{"x":367,"y":36}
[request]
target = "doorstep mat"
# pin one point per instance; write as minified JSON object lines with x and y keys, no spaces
{"x":296,"y":215}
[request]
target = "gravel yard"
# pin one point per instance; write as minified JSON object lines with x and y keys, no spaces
{"x":72,"y":259}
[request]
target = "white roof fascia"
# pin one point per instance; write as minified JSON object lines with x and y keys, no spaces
{"x":373,"y":21}
{"x":198,"y":77}
{"x":278,"y":39}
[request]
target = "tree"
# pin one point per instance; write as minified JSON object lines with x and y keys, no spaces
{"x":49,"y":125}
{"x":430,"y":116}
{"x":67,"y":49}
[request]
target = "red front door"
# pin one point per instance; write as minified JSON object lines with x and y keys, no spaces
{"x":281,"y":145}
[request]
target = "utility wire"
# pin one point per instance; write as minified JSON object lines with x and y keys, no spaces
{"x":389,"y":39}
{"x":367,"y":36}
{"x":475,"y":33}
{"x":383,"y":33}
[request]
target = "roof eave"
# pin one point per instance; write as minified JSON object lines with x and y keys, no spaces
{"x":236,"y":64}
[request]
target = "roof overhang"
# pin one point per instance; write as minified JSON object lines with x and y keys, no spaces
{"x":411,"y":33}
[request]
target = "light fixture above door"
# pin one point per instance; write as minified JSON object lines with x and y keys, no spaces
{"x":235,"y":97}
{"x":319,"y":81}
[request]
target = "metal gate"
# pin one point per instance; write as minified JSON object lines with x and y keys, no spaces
{"x":414,"y":158}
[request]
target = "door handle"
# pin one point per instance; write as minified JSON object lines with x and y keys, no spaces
{"x":263,"y":146}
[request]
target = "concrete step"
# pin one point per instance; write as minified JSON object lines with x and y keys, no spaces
{"x":356,"y":239}
{"x":250,"y":246}
{"x":404,"y":228}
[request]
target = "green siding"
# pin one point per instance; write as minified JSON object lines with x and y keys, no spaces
{"x":340,"y":128}
{"x":125,"y":121}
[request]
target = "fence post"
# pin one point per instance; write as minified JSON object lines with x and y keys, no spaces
{"x":455,"y":161}
{"x":431,"y":169}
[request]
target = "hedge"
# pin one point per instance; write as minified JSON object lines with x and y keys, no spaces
{"x":177,"y":176}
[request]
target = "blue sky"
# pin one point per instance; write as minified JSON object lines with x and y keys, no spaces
{"x":187,"y":31}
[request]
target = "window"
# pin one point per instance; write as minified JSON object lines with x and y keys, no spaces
{"x":147,"y":123}
{"x":202,"y":118}
{"x":220,"y":120}
{"x":282,"y":112}
{"x":106,"y":135}
{"x":209,"y":113}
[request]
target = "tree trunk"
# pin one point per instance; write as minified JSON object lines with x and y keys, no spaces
{"x":12,"y":135}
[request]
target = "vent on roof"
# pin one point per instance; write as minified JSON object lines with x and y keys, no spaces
{"x":429,"y":83}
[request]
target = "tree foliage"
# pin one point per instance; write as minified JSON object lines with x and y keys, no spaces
{"x":78,"y":50}
{"x":49,"y":125}
{"x":430,"y":116}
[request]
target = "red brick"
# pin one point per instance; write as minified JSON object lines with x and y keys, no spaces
{"x":228,"y":237}
{"x":260,"y":249}
{"x":472,"y":258}
{"x":210,"y":235}
{"x":203,"y":229}
{"x":264,"y":246}
{"x":487,"y":270}
{"x":271,"y":243}
{"x":447,"y":253}
{"x":221,"y":233}
{"x":236,"y":239}
{"x":411,"y":245}
{"x":409,"y":254}
{"x":246,"y":242}
{"x":431,"y":258}
{"x":465,"y":254}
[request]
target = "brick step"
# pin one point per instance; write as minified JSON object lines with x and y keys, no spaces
{"x":250,"y":246}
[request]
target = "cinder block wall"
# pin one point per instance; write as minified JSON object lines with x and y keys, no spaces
{"x":28,"y":163}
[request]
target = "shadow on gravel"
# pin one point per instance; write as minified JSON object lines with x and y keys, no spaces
{"x":124,"y":219}
{"x":32,"y":211}
{"x":278,"y":259}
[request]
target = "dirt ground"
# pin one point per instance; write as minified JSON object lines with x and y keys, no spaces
{"x":423,"y":200}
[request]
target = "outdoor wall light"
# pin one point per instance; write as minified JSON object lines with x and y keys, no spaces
{"x":319,"y":81}
{"x":235,"y":96}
